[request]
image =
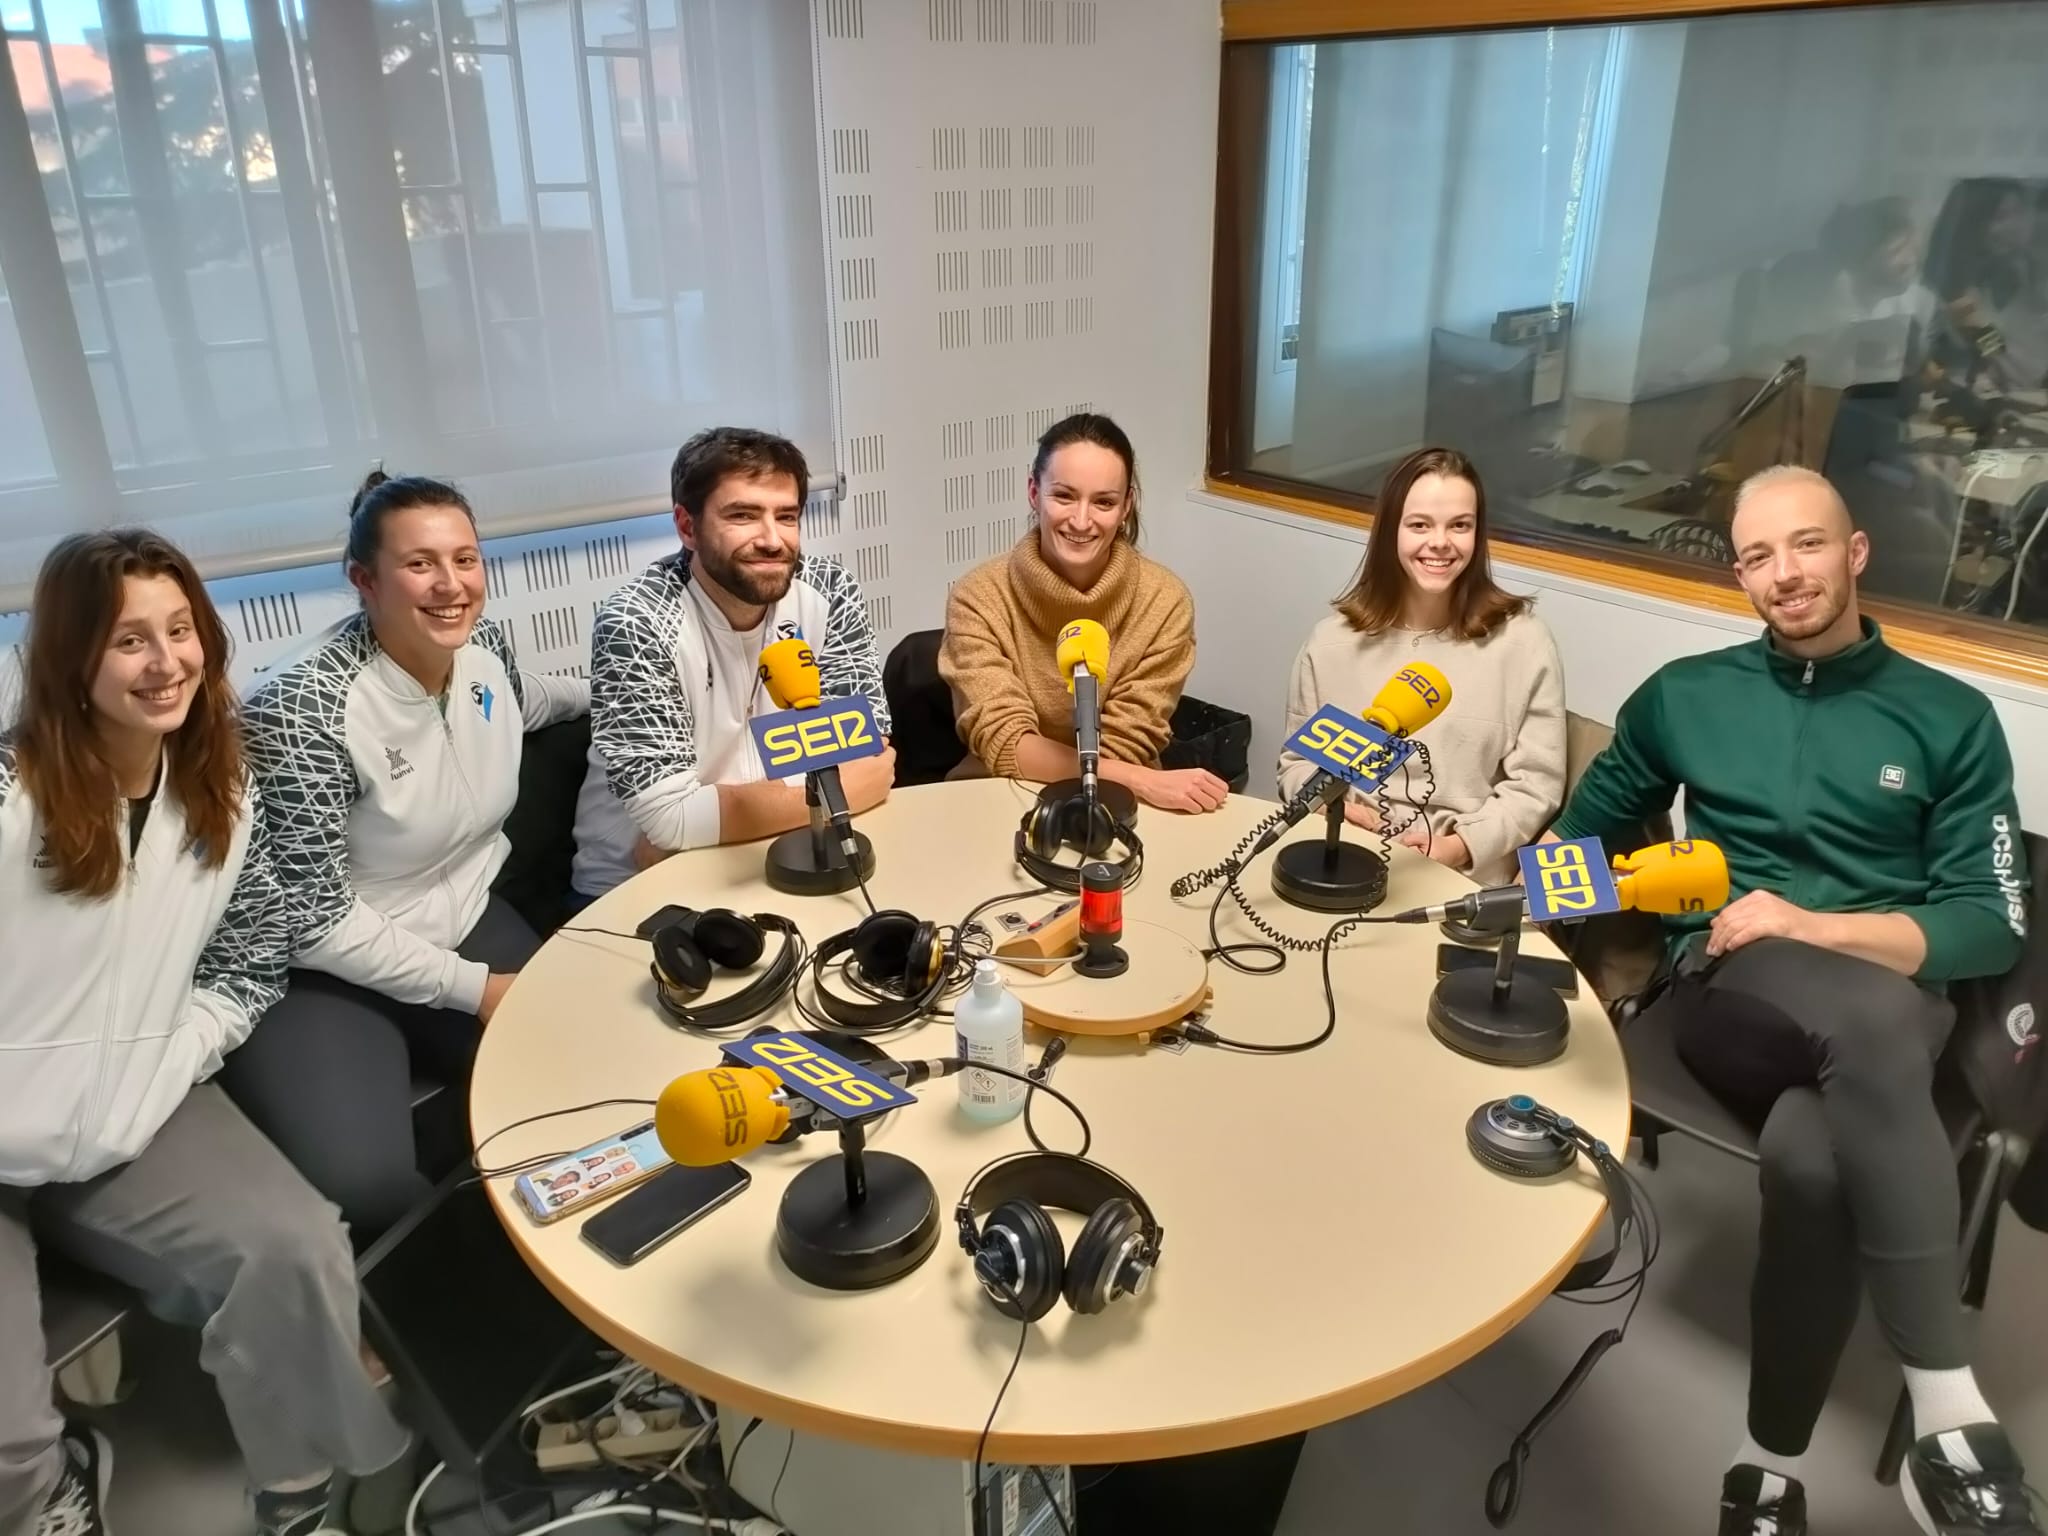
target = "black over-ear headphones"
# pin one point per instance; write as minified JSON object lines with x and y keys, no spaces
{"x":687,"y":950}
{"x":1050,"y":827}
{"x":896,"y":955}
{"x":1526,"y":1140}
{"x":1017,"y":1252}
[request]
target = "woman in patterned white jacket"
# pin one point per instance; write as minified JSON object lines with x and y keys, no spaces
{"x":142,"y":934}
{"x":388,"y":754}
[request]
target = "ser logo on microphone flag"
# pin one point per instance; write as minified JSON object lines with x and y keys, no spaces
{"x":1568,"y":880}
{"x":826,"y":1078}
{"x":794,"y":741}
{"x":1362,"y":755}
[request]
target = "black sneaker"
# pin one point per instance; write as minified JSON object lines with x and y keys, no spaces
{"x":296,"y":1514}
{"x":1967,"y":1482}
{"x":77,"y":1505}
{"x":1755,"y":1502}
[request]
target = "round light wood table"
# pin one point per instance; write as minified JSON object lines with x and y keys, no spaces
{"x":1330,"y":1242}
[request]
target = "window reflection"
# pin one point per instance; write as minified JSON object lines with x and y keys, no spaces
{"x":1623,"y":267}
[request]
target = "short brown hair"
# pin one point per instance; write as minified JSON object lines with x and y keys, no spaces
{"x":1478,"y":605}
{"x":704,"y":462}
{"x":77,"y":603}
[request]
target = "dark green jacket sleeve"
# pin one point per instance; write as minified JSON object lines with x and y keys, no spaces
{"x":1630,"y":781}
{"x":1974,"y":916}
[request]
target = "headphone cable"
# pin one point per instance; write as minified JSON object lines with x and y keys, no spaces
{"x":863,"y":881}
{"x":525,"y":1165}
{"x":979,"y":1519}
{"x":1054,"y":1050}
{"x":1504,"y":1487}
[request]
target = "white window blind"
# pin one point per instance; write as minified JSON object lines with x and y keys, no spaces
{"x":250,"y":247}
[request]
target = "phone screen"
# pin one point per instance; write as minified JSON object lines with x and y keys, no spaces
{"x":634,"y":1227}
{"x":582,"y":1178}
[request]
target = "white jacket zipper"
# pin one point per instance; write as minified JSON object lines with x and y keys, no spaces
{"x":89,"y":1118}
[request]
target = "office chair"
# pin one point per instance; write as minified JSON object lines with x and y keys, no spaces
{"x":928,"y":746}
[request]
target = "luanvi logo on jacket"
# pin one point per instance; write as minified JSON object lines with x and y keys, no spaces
{"x":2019,"y":1026}
{"x":2002,"y":860}
{"x":394,"y":759}
{"x":42,"y":860}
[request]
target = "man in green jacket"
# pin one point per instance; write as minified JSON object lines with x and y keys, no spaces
{"x":1865,"y":804}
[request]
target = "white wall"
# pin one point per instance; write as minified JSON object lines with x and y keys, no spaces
{"x":1261,"y":578}
{"x":1018,"y":210}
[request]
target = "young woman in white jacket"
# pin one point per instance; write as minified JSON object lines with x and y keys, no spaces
{"x":1424,"y":592}
{"x":143,"y":936}
{"x":388,"y":754}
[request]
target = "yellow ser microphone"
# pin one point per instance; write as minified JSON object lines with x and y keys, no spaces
{"x":711,"y":1117}
{"x":1082,"y":644}
{"x":1406,"y":702}
{"x":1689,"y":876}
{"x":724,"y":1112}
{"x":790,"y":670}
{"x":1686,"y":876}
{"x":1082,"y":656}
{"x":1409,"y":700}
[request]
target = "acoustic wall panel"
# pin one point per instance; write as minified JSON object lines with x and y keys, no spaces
{"x":988,"y":183}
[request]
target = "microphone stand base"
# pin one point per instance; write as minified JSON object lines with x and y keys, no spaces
{"x":798,"y":865}
{"x":1329,"y":878}
{"x":843,"y":1247}
{"x":1103,"y":965}
{"x":1527,"y":1028}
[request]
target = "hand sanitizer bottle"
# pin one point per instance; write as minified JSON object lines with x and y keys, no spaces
{"x":988,"y":1025}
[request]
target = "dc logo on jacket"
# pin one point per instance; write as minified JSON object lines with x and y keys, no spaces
{"x":481,"y":696}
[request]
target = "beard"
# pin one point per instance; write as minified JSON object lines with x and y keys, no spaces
{"x":757,"y":583}
{"x":1827,"y":606}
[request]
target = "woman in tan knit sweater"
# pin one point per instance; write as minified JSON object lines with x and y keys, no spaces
{"x":1424,"y":593}
{"x":1078,"y":560}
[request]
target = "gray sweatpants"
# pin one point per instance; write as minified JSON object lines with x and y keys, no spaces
{"x":217,"y":1232}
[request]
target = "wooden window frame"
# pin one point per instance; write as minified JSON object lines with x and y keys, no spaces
{"x":1959,"y":640}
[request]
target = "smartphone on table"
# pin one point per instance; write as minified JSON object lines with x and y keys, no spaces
{"x":674,"y":1200}
{"x":603,"y":1168}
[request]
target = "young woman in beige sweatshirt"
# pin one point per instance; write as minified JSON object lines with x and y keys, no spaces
{"x":1078,"y":560}
{"x":1424,"y":593}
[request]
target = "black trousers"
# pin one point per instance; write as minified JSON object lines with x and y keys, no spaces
{"x":1832,"y":1058}
{"x":327,"y":1075}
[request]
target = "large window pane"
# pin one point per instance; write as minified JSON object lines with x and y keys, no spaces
{"x":1623,"y":267}
{"x":24,"y":451}
{"x":299,"y":239}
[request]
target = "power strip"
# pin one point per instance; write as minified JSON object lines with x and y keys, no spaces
{"x":659,"y":1432}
